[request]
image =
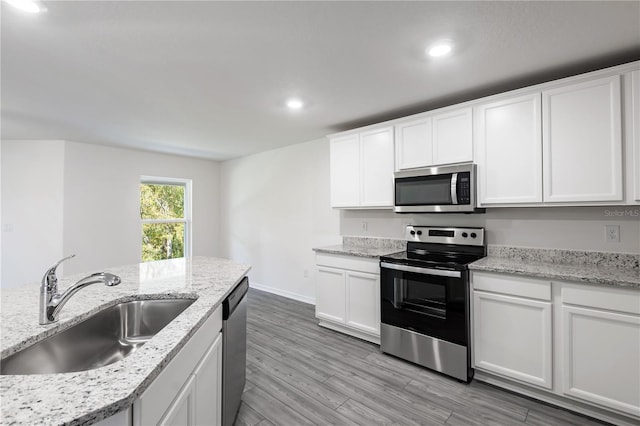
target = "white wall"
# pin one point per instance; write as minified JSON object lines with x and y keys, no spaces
{"x":93,"y":205}
{"x":572,"y":228}
{"x":32,"y":208}
{"x":276,"y":208}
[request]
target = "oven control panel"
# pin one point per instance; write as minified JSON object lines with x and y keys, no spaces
{"x":445,"y":235}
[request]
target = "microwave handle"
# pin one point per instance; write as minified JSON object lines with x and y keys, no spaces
{"x":454,"y":188}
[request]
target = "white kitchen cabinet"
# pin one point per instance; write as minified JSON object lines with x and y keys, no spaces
{"x":453,"y":136}
{"x":635,"y":117}
{"x":509,"y":150}
{"x":582,"y":142}
{"x":435,"y":139}
{"x":181,"y":412}
{"x":414,"y":145}
{"x":363,"y":294}
{"x":376,"y":164}
{"x":572,"y":344}
{"x":348,"y":295}
{"x":188,"y":390}
{"x":512,"y":334}
{"x":345,"y":171}
{"x":330,"y":294}
{"x":601,"y":346}
{"x":362,"y":169}
{"x":208,"y":386}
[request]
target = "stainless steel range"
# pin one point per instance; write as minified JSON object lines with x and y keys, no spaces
{"x":425,"y":298}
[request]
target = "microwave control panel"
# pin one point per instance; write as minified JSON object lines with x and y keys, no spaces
{"x":464,"y":188}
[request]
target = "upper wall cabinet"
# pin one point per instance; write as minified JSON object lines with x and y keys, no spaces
{"x":582,"y":142}
{"x":509,"y":155}
{"x":635,"y":99}
{"x":559,"y":146}
{"x":435,"y":139}
{"x":345,"y":171}
{"x":362,"y":169}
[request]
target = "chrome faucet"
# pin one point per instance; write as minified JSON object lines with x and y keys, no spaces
{"x":51,"y":302}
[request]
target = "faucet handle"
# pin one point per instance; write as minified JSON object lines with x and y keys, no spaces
{"x":49,"y":280}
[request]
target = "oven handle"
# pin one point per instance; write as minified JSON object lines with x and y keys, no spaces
{"x":417,"y":270}
{"x":398,"y":293}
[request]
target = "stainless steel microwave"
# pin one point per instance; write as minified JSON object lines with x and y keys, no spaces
{"x":436,"y":190}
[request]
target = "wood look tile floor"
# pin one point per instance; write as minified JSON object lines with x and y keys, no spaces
{"x":299,"y":373}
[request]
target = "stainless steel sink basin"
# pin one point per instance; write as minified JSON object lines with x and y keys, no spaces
{"x":102,"y":339}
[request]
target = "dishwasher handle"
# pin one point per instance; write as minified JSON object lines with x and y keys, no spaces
{"x":233,"y":300}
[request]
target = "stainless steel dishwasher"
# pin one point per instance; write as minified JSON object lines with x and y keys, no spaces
{"x":234,"y":351}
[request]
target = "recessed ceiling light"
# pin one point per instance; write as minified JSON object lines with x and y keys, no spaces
{"x":442,"y":48}
{"x":28,"y":6}
{"x":295,"y":104}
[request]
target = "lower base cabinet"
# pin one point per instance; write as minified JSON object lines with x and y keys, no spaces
{"x":520,"y":347}
{"x":189,"y":390}
{"x":348,"y":295}
{"x":577,"y":344}
{"x":601,"y":348}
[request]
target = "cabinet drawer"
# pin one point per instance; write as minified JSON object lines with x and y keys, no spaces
{"x":352,"y":263}
{"x":513,"y":285}
{"x":610,"y":298}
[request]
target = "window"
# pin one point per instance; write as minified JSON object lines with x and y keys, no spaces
{"x":165,"y":211}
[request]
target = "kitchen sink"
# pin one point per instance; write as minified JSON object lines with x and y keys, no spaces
{"x":104,"y":338}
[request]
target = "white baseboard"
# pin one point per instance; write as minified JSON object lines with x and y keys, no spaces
{"x":283,"y":293}
{"x":615,"y":418}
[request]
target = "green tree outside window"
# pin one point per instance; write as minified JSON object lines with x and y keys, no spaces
{"x":162,"y":210}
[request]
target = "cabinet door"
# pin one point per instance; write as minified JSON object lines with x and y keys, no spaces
{"x":330,"y":295}
{"x":181,"y":412}
{"x":601,"y":358}
{"x":363,"y":302}
{"x":512,"y":337}
{"x":635,"y":99}
{"x":453,"y":137}
{"x":582,"y":142}
{"x":345,"y":171}
{"x":208,"y":386}
{"x":509,"y":151}
{"x":414,"y":144}
{"x":376,"y":162}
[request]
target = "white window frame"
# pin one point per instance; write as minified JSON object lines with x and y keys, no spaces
{"x":155,"y":180}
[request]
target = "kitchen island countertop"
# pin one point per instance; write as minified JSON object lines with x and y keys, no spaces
{"x":87,"y":397}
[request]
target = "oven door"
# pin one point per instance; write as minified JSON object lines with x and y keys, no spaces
{"x":432,"y":302}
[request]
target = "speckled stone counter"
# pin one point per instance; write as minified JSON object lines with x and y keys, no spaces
{"x":369,"y":247}
{"x":612,"y":269}
{"x":89,"y":396}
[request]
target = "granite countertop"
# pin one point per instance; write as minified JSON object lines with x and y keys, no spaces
{"x":370,"y":247}
{"x":359,"y":251}
{"x":619,"y":270}
{"x":89,"y":396}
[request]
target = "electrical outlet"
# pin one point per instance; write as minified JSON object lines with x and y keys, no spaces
{"x":612,"y":233}
{"x":364,"y":226}
{"x":306,"y":273}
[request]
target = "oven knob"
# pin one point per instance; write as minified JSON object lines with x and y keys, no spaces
{"x":419,"y":232}
{"x":473,"y":235}
{"x":464,"y":235}
{"x":413,"y":232}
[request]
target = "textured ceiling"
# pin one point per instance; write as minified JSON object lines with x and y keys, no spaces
{"x":209,"y":79}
